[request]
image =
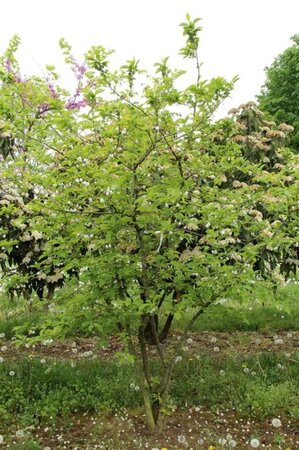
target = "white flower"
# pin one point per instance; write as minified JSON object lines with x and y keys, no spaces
{"x":254,"y":443}
{"x":213,"y":339}
{"x":289,"y":335}
{"x":178,"y":359}
{"x":2,"y":335}
{"x":12,"y":373}
{"x":47,"y":448}
{"x":200,"y":441}
{"x":246,"y":370}
{"x":1,"y":439}
{"x":276,"y":423}
{"x":288,"y":355}
{"x":1,"y":359}
{"x":222,"y":441}
{"x":37,"y":234}
{"x":182,"y":439}
{"x":3,"y":348}
{"x":232,"y":443}
{"x":20,"y":433}
{"x":42,"y":361}
{"x":216,"y":349}
{"x":278,"y":341}
{"x":137,"y":388}
{"x":189,"y":341}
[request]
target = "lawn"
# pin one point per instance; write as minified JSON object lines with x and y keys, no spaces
{"x":236,"y":384}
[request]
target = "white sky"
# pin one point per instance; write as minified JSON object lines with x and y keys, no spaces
{"x":239,"y":37}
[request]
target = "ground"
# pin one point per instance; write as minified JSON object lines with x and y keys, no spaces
{"x":189,"y":427}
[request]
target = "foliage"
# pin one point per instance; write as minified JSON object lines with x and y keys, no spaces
{"x":130,"y":185}
{"x":47,"y":393}
{"x":279,"y":95}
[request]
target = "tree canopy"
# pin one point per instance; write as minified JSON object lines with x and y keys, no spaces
{"x":279,"y":96}
{"x":129,"y":183}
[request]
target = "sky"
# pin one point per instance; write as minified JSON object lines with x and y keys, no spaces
{"x":239,"y":37}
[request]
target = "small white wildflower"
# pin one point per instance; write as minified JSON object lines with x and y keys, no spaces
{"x":43,"y":361}
{"x":200,"y":441}
{"x":222,"y":372}
{"x":132,"y":386}
{"x":12,"y":373}
{"x":1,"y":359}
{"x":216,"y":349}
{"x":47,"y":448}
{"x":213,"y":339}
{"x":222,"y":441}
{"x":178,"y":359}
{"x":2,"y":335}
{"x":1,"y":439}
{"x":288,"y":355}
{"x":189,"y":341}
{"x":276,"y":423}
{"x":254,"y":443}
{"x":137,"y":388}
{"x":278,"y":341}
{"x":3,"y":348}
{"x":20,"y":433}
{"x":246,"y":370}
{"x":289,"y":335}
{"x":232,"y":443}
{"x":182,"y":439}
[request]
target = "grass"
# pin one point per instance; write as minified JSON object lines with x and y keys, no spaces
{"x":275,"y":313}
{"x":35,"y":391}
{"x":47,"y":393}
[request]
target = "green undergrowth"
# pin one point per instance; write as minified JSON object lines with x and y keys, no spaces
{"x":36,"y":391}
{"x":275,"y":314}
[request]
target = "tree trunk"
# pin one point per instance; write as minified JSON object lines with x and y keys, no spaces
{"x":152,"y":413}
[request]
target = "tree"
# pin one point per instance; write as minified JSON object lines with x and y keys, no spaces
{"x":279,"y":96}
{"x":156,"y":207}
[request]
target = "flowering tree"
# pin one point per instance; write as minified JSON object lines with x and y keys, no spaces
{"x":279,"y":94}
{"x":156,"y":207}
